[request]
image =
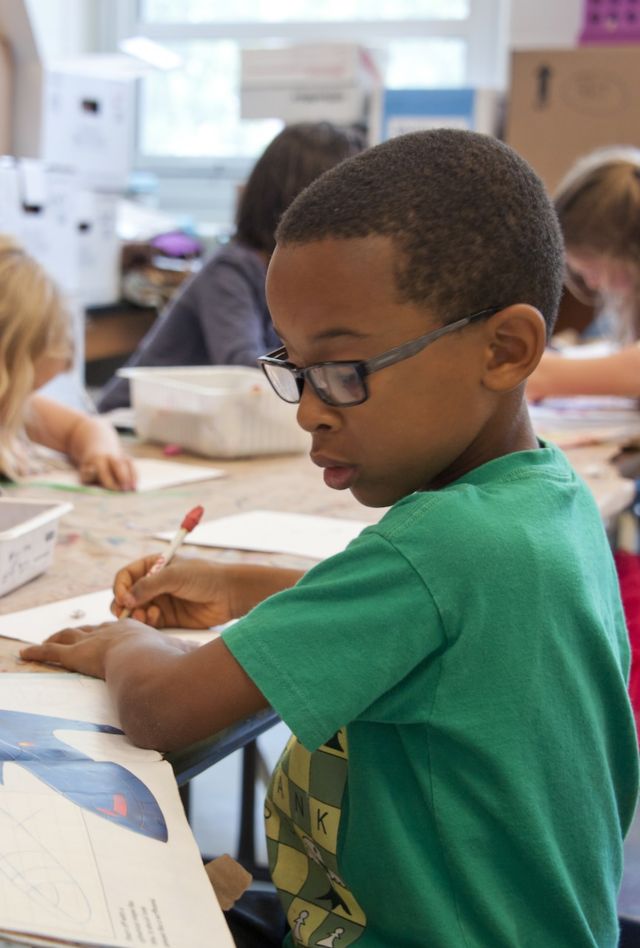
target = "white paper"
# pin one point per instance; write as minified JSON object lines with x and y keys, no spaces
{"x":272,"y":532}
{"x":36,"y":624}
{"x":586,"y":419}
{"x":95,"y":848}
{"x":152,"y":474}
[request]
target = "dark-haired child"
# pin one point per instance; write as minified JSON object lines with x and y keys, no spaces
{"x":464,"y":765}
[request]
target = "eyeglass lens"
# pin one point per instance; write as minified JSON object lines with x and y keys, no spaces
{"x":284,"y":382}
{"x":335,"y":384}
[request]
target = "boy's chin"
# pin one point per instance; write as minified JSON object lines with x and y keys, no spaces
{"x":375,"y":496}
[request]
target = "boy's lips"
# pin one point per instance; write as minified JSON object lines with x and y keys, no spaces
{"x":337,"y":474}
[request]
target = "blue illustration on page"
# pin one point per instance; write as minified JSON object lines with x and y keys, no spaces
{"x":99,"y":786}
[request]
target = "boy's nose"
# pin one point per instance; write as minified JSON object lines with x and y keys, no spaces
{"x":313,"y":413}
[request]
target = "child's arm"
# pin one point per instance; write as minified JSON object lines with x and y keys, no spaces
{"x":166,"y":698}
{"x":191,"y":593}
{"x":616,"y":374}
{"x":91,"y":443}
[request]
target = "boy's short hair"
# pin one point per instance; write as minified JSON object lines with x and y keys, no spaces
{"x":472,"y":221}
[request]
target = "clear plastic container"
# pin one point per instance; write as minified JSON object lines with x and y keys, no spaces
{"x":28,"y":531}
{"x":216,"y":411}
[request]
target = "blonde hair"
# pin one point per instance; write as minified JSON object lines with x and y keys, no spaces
{"x":34,"y":322}
{"x":598,"y":205}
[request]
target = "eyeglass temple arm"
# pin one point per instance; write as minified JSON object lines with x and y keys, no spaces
{"x":408,"y":349}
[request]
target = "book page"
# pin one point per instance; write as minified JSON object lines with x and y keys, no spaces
{"x":95,"y":848}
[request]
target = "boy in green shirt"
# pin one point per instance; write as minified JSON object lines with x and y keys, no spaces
{"x":464,"y":764}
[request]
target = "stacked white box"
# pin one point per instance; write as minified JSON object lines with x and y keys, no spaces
{"x":47,"y":224}
{"x":321,"y":82}
{"x":81,"y":127}
{"x":88,"y":121}
{"x":98,"y":247}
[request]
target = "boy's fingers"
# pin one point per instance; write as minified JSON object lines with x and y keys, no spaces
{"x":150,"y":587}
{"x":47,"y":652}
{"x":126,"y":579}
{"x":69,"y":636}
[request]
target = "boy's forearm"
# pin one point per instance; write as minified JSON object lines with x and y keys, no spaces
{"x":138,"y":674}
{"x":251,"y":583}
{"x":164,"y":697}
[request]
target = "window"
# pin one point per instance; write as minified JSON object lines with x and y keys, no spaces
{"x":192,"y":113}
{"x":190,"y":135}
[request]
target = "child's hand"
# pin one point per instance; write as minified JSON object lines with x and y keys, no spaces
{"x":186,"y":594}
{"x":84,"y":649}
{"x":113,"y":471}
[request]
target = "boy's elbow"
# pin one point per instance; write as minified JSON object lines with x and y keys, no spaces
{"x":150,"y":730}
{"x":145,"y":716}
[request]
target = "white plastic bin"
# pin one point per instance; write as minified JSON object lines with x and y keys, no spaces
{"x":28,"y":531}
{"x":217,"y":411}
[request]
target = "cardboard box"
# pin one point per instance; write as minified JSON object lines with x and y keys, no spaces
{"x":412,"y":110}
{"x":565,"y":103}
{"x":313,"y":83}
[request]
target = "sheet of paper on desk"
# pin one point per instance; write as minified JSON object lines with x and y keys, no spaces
{"x":96,"y":847}
{"x":153,"y":474}
{"x":37,"y":624}
{"x":272,"y":532}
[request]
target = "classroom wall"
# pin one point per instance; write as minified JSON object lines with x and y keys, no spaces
{"x":63,"y":28}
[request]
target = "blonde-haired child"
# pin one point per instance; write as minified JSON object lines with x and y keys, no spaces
{"x":598,"y":205}
{"x":35,"y":346}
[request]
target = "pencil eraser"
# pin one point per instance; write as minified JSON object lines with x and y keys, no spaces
{"x":192,"y":519}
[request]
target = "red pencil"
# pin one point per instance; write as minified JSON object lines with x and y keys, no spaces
{"x":191,"y":520}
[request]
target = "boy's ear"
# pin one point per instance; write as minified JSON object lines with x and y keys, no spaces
{"x":516,"y":338}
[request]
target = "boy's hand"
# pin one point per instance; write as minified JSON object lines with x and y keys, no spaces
{"x":113,"y":471}
{"x":84,"y":649}
{"x":186,"y":594}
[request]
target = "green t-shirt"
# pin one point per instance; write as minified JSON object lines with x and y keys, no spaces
{"x":464,"y":764}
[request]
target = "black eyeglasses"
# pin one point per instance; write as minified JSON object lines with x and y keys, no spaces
{"x":345,"y":383}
